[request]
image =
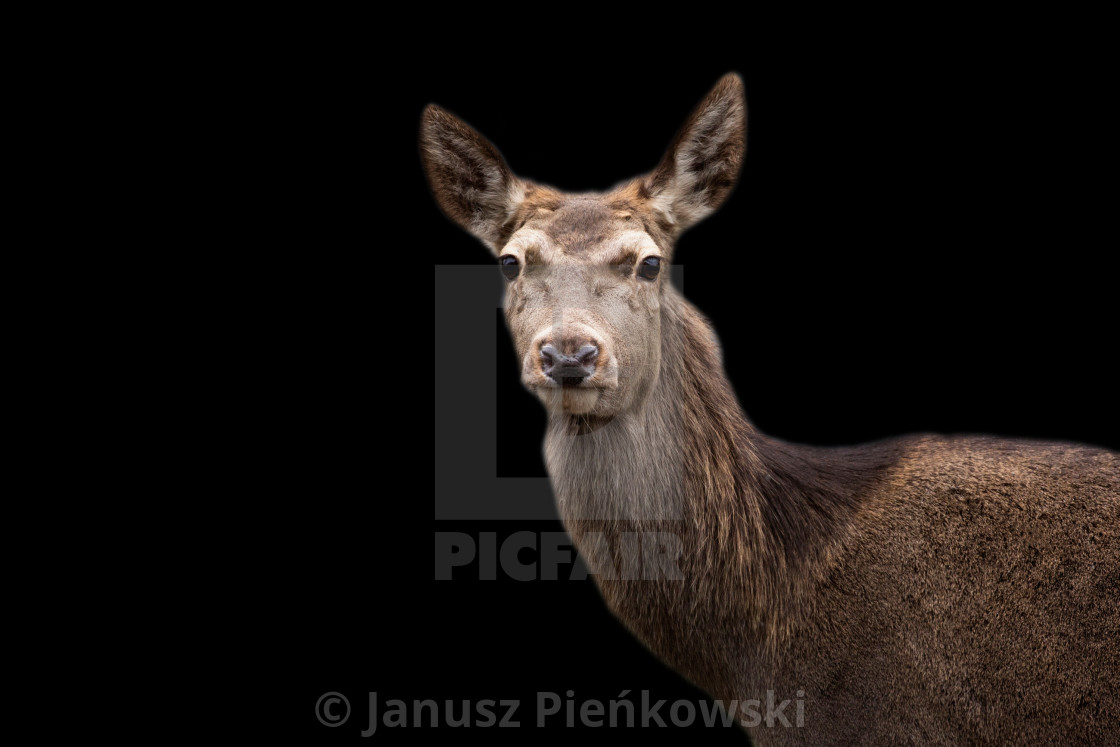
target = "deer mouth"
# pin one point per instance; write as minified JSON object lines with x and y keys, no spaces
{"x":571,"y":378}
{"x":584,"y":382}
{"x":570,"y":382}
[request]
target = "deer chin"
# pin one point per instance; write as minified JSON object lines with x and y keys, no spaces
{"x":569,"y":400}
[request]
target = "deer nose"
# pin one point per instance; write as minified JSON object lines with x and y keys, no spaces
{"x":568,"y":370}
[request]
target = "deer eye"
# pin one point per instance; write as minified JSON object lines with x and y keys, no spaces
{"x":510,"y":268}
{"x":649,"y":268}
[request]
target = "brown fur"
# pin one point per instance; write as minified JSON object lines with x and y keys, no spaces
{"x":919,"y":590}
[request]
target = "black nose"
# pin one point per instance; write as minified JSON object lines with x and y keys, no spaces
{"x":568,"y":370}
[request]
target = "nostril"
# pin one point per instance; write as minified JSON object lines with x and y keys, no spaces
{"x":549,"y":355}
{"x":587,"y":355}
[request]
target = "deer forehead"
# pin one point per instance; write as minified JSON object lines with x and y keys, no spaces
{"x":582,"y":232}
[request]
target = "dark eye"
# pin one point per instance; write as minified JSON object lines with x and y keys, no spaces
{"x":649,"y":268}
{"x":510,"y":268}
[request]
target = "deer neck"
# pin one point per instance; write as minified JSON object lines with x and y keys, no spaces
{"x":754,"y":517}
{"x":684,"y":445}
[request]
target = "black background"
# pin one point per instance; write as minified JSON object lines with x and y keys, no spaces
{"x":916,"y":244}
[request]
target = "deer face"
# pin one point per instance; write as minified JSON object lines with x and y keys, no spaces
{"x":583,"y":304}
{"x":587,"y":273}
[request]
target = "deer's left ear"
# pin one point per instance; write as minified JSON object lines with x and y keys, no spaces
{"x":702,"y":165}
{"x":470,"y":180}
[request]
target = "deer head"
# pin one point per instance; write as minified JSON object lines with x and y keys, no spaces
{"x":587,"y":273}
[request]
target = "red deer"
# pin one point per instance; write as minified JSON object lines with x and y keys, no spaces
{"x":927,"y":589}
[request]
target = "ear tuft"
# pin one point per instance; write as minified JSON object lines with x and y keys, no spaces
{"x":702,"y":164}
{"x":469,"y":179}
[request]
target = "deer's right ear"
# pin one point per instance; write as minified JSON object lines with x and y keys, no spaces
{"x":468,"y":177}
